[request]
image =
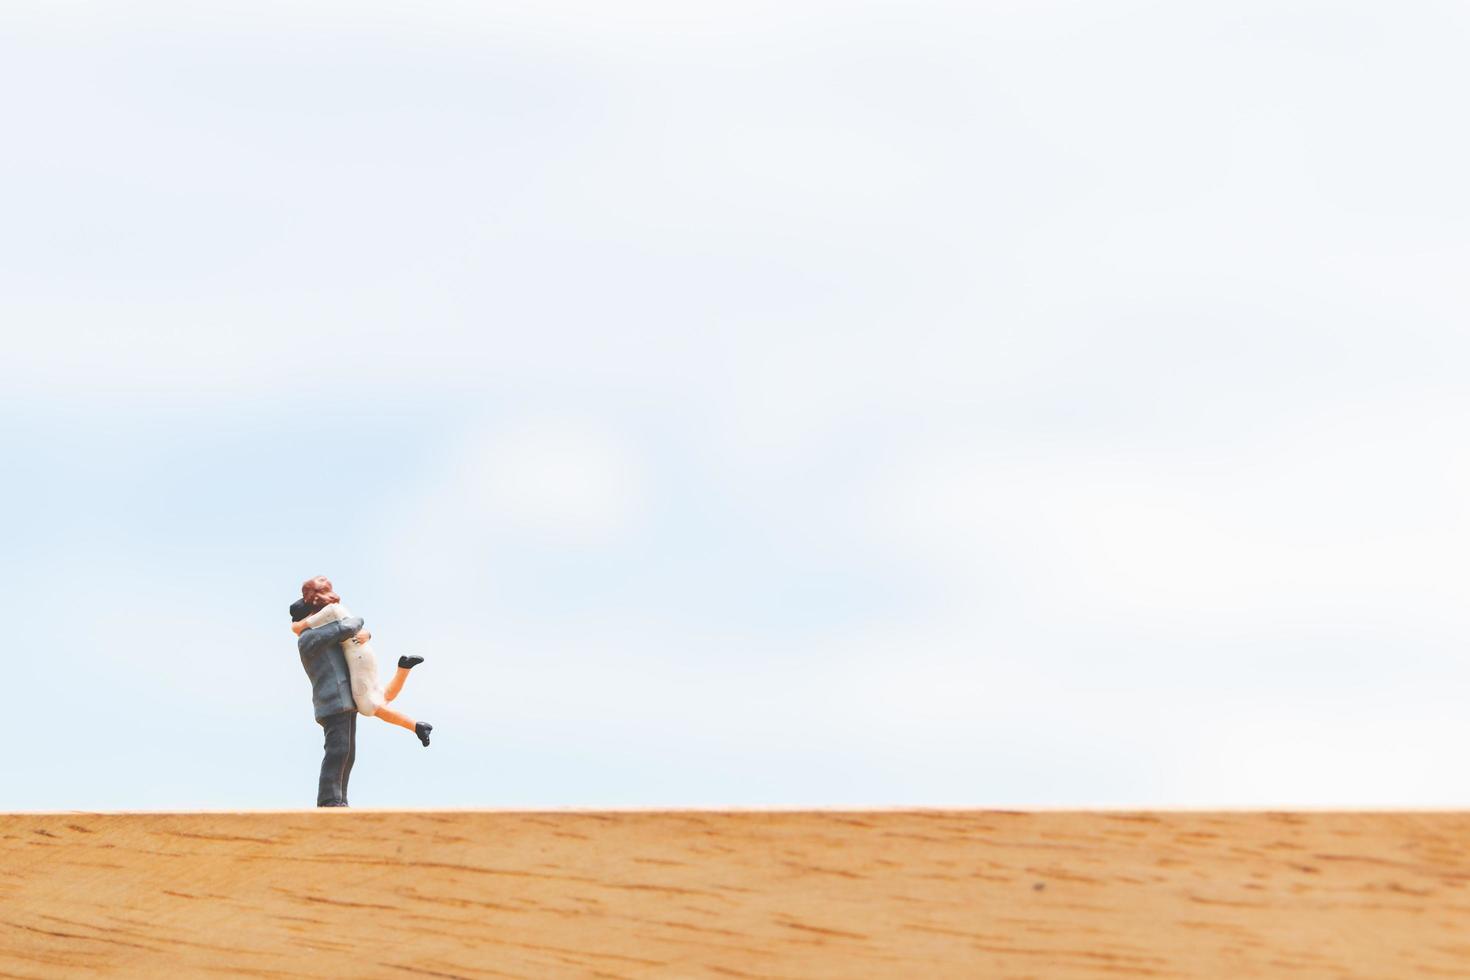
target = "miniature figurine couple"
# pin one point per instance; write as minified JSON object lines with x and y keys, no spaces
{"x":338,"y":658}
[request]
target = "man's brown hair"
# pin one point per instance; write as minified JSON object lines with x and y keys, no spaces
{"x":317,"y":593}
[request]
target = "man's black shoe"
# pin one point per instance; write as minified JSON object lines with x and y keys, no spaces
{"x":408,"y":663}
{"x":334,"y":803}
{"x":422,"y":730}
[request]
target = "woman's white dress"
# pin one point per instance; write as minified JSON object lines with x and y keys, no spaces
{"x":361,"y":663}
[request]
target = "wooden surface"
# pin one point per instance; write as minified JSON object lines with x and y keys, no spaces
{"x":735,"y":894}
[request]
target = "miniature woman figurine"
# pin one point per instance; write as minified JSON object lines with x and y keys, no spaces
{"x":362,"y":664}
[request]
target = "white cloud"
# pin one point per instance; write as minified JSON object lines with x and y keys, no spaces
{"x":1358,"y":513}
{"x":549,"y":477}
{"x":526,"y":489}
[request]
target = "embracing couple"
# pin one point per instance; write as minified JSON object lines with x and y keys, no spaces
{"x":339,"y":660}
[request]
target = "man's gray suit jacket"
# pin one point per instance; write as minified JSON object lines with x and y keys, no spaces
{"x":321,"y":655}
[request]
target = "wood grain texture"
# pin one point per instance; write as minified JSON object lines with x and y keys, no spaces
{"x":736,"y":894}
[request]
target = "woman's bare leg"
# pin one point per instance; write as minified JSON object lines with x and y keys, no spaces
{"x":394,"y":718}
{"x":419,"y":728}
{"x":405,"y":664}
{"x":396,"y":684}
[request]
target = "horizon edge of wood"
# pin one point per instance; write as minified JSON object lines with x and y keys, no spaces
{"x":761,"y":893}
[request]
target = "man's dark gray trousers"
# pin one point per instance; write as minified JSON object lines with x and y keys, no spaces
{"x":336,"y":711}
{"x":340,"y":742}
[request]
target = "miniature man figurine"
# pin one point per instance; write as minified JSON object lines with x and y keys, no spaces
{"x":332,"y":700}
{"x":343,"y":669}
{"x":331,"y":696}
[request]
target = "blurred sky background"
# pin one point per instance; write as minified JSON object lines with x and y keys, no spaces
{"x":758,"y":403}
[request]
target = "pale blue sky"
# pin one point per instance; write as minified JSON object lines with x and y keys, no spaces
{"x":749,"y":404}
